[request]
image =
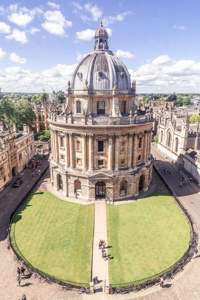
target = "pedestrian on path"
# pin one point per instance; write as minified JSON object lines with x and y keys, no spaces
{"x":33,"y":173}
{"x":162,"y":282}
{"x":39,"y":172}
{"x":18,"y":271}
{"x":22,"y":270}
{"x":195,"y":253}
{"x":24,"y":297}
{"x":18,"y":280}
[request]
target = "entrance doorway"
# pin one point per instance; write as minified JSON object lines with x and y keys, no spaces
{"x":141,"y":182}
{"x":13,"y":171}
{"x":100,"y":190}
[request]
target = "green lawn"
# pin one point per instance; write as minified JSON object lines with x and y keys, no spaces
{"x":147,"y":237}
{"x":56,"y":236}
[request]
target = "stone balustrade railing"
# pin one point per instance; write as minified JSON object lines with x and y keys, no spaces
{"x":101,"y":120}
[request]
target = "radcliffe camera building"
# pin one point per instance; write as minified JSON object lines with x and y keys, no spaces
{"x":101,"y":143}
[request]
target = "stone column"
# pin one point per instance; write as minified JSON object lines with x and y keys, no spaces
{"x":135,"y":150}
{"x":117,"y":152}
{"x":145,"y":146}
{"x":91,"y":152}
{"x":71,"y":142}
{"x":110,"y":152}
{"x":130,"y":150}
{"x":57,"y":148}
{"x":84,"y":153}
{"x":67,"y":161}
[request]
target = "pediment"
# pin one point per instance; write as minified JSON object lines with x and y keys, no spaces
{"x":100,"y":175}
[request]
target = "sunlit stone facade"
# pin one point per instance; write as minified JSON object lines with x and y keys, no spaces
{"x":101,"y":143}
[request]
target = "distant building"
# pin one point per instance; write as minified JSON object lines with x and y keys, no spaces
{"x":16,"y":148}
{"x":42,"y":114}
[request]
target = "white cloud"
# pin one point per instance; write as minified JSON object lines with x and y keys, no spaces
{"x":88,"y":12}
{"x":23,"y":16}
{"x":15,"y":58}
{"x":2,"y":53}
{"x":19,"y":36}
{"x":95,"y":11}
{"x":165,"y":75}
{"x":85,"y":35}
{"x":33,"y":30}
{"x":109,"y":31}
{"x":112,"y":19}
{"x":124,"y":54}
{"x":55,"y":23}
{"x":4,"y":28}
{"x":2,"y":10}
{"x":53,"y":5}
{"x":180,"y":27}
{"x":13,"y":7}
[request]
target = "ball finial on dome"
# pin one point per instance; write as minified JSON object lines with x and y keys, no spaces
{"x":101,"y":23}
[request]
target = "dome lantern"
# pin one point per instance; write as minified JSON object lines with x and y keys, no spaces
{"x":101,"y":38}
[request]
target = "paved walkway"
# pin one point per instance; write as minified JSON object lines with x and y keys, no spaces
{"x":99,"y":265}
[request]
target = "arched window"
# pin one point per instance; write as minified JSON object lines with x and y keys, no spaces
{"x":100,"y":108}
{"x":40,"y":119}
{"x":77,"y":185}
{"x":60,"y":182}
{"x":78,"y":146}
{"x":123,"y":188}
{"x":169,"y":139}
{"x":176,"y":144}
{"x":78,"y":107}
{"x":123,"y":145}
{"x":123,"y":107}
{"x":140,"y":142}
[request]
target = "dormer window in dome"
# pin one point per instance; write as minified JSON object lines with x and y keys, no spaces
{"x":101,"y":38}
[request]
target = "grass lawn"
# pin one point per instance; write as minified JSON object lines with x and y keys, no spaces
{"x":147,"y":237}
{"x":56,"y":236}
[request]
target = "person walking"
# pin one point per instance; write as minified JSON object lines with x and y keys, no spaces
{"x":18,"y":280}
{"x":33,"y":174}
{"x":22,"y":270}
{"x":39,"y":172}
{"x":162,"y":282}
{"x":18,"y":271}
{"x":24,"y":297}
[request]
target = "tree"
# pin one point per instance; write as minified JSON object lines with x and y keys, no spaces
{"x":156,"y":138}
{"x":24,"y":114}
{"x":6,"y":112}
{"x":186,"y":101}
{"x":44,"y":97}
{"x":61,"y":98}
{"x":33,"y":98}
{"x":194,"y":118}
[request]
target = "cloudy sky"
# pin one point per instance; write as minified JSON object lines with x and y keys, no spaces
{"x":41,"y":42}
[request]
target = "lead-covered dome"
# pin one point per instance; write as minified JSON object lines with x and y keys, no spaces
{"x":101,"y":68}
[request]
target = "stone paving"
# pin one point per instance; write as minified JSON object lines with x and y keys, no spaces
{"x":99,"y":265}
{"x":185,"y":285}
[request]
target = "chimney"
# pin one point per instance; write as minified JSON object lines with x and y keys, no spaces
{"x":26,"y":129}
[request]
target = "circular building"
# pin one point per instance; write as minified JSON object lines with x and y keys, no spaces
{"x":101,"y":143}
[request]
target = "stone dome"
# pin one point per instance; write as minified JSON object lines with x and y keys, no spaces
{"x":101,"y":68}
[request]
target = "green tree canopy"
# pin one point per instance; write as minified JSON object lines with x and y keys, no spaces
{"x":61,"y":98}
{"x":6,"y":112}
{"x":24,"y":114}
{"x":186,"y":101}
{"x":44,"y":97}
{"x":194,"y":118}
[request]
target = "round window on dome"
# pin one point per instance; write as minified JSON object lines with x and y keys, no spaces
{"x":122,"y":74}
{"x":80,"y":75}
{"x":101,"y":75}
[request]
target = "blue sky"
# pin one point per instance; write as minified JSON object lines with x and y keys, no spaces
{"x":42,"y":41}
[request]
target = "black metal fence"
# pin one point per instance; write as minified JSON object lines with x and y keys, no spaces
{"x":173,"y":269}
{"x":24,"y":262}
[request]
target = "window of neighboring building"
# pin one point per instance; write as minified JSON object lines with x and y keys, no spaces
{"x":79,"y":161}
{"x":123,"y":107}
{"x":100,"y":162}
{"x":78,"y":107}
{"x":40,"y":118}
{"x":31,"y":147}
{"x":62,"y":157}
{"x":100,"y":108}
{"x":122,"y":161}
{"x":1,"y":172}
{"x":140,"y":143}
{"x":100,"y":146}
{"x":4,"y":178}
{"x":139,"y":157}
{"x":20,"y":156}
{"x":61,"y":141}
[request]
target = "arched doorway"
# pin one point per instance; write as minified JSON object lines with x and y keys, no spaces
{"x":141,"y":182}
{"x":77,"y":186}
{"x":123,"y":188}
{"x":13,"y":171}
{"x":60,"y":182}
{"x":100,"y":189}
